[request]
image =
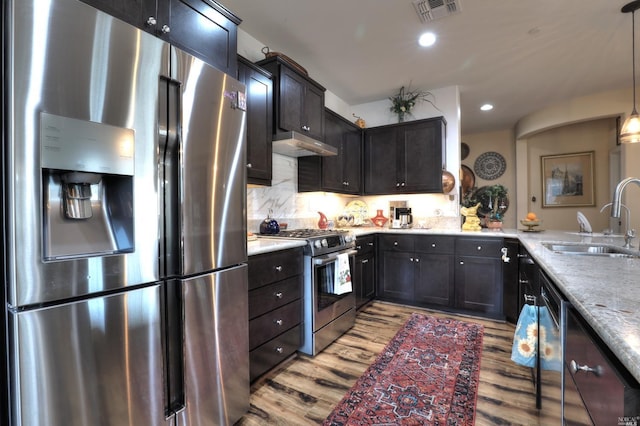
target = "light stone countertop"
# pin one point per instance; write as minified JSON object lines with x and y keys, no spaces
{"x":604,"y":290}
{"x":267,"y":245}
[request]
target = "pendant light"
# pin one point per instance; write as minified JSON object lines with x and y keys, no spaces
{"x":630,"y":132}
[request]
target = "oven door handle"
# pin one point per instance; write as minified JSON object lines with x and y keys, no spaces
{"x":329,"y":258}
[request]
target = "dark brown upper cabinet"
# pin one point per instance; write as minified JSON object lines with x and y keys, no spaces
{"x":259,"y":121}
{"x":298,"y":100}
{"x":203,"y":28}
{"x":405,"y":157}
{"x":341,"y":173}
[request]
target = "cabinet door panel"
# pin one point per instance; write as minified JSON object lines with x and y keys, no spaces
{"x":420,"y":159}
{"x":352,"y":159}
{"x":434,"y":279}
{"x":291,"y":98}
{"x":134,"y":12}
{"x":204,"y":32}
{"x":259,"y":122}
{"x":380,"y":161}
{"x":479,"y":284}
{"x":396,"y":281}
{"x":332,"y":166}
{"x":314,"y":112}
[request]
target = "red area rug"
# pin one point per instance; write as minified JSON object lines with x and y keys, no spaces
{"x":426,"y":375}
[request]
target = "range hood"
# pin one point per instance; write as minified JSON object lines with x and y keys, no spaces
{"x":294,"y":144}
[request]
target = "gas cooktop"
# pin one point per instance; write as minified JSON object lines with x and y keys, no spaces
{"x":320,"y":241}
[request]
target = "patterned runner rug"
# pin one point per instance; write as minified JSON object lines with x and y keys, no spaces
{"x":426,"y":375}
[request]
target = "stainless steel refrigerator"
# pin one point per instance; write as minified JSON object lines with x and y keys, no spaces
{"x":124,"y":226}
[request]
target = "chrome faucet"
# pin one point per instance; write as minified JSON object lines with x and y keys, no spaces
{"x":627,"y":216}
{"x":615,"y":208}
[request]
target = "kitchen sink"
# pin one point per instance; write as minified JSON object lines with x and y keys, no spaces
{"x":591,"y":249}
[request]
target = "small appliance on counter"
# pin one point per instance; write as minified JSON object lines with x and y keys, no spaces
{"x":400,"y":215}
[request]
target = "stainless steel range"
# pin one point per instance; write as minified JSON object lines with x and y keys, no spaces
{"x":329,"y":304}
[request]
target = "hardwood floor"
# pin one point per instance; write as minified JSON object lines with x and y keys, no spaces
{"x":304,"y":390}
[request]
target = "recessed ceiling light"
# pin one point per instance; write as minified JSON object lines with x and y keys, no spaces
{"x":427,"y":39}
{"x":486,"y":107}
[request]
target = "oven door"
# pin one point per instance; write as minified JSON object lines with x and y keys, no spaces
{"x":330,"y":299}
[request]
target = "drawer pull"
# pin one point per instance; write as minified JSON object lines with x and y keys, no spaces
{"x":395,"y":243}
{"x":479,"y":248}
{"x":365,"y":260}
{"x":462,"y":262}
{"x":370,"y":244}
{"x":433,"y":245}
{"x":417,"y":260}
{"x":278,"y":295}
{"x":279,"y":349}
{"x":575,"y":367}
{"x":279,"y":268}
{"x":278,"y":322}
{"x":523,"y":281}
{"x":359,"y":247}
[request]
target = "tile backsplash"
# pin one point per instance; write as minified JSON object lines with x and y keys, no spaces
{"x":300,"y":210}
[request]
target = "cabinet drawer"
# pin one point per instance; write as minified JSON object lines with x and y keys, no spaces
{"x":365,"y":245}
{"x":271,"y":324}
{"x":434,"y":244}
{"x":396,"y":242}
{"x":267,"y":268}
{"x":608,"y":392}
{"x":273,"y":352}
{"x":479,"y":247}
{"x":273,"y":296}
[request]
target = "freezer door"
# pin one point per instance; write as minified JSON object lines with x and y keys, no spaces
{"x":212,"y":175}
{"x":216,"y":348}
{"x":94,"y":362}
{"x":67,"y":59}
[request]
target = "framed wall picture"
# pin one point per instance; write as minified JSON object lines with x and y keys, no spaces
{"x":567,"y":180}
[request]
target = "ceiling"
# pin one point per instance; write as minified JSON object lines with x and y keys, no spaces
{"x":519,"y":55}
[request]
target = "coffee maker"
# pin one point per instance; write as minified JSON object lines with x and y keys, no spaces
{"x":400,"y":215}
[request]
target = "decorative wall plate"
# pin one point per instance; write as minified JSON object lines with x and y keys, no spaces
{"x":464,"y":151}
{"x":467,"y":179}
{"x":490,"y":165}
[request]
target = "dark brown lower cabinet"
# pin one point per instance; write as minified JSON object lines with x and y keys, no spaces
{"x":457,"y":273}
{"x":364,"y":273}
{"x":275,"y":308}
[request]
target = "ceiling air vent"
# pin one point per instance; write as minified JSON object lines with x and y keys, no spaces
{"x":428,"y":10}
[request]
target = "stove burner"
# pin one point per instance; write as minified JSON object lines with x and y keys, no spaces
{"x":319,"y":241}
{"x":307,"y":233}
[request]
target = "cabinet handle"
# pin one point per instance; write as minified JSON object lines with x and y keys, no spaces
{"x":397,"y":184}
{"x":279,"y":268}
{"x":479,"y":248}
{"x":433,"y":245}
{"x":462,"y":262}
{"x":505,"y":255}
{"x":278,"y":322}
{"x":306,"y":128}
{"x":278,"y":295}
{"x":523,"y":281}
{"x":165,"y":29}
{"x":358,"y":247}
{"x":402,"y":184}
{"x":370,"y":244}
{"x":249,"y":165}
{"x":575,"y":367}
{"x":279,"y":349}
{"x":417,"y":260}
{"x":395,"y":243}
{"x":151,"y":21}
{"x":365,"y":260}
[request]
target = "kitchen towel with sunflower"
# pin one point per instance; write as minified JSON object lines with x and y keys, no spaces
{"x":535,"y":331}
